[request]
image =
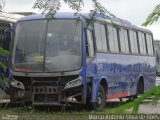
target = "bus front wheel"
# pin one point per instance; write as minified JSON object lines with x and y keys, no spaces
{"x":12,"y":95}
{"x":101,"y":99}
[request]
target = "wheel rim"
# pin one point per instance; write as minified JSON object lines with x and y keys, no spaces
{"x":99,"y":100}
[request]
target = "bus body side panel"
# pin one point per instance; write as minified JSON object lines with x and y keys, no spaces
{"x":131,"y":68}
{"x":108,"y":66}
{"x":136,"y":66}
{"x":122,"y":73}
{"x":149,"y":73}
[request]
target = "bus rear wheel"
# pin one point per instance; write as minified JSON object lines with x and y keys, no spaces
{"x":141,"y":87}
{"x":101,"y":100}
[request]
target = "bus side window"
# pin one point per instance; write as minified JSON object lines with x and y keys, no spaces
{"x":123,"y":35}
{"x":98,"y":36}
{"x":142,"y":46}
{"x":90,"y":43}
{"x":149,"y":44}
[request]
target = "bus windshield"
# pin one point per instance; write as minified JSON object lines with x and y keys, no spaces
{"x":47,"y":46}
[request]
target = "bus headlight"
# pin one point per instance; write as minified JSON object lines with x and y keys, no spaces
{"x":74,"y":83}
{"x":17,"y":84}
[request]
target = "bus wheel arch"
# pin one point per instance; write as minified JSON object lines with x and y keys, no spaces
{"x":101,"y":95}
{"x":140,"y":85}
{"x":104,"y":84}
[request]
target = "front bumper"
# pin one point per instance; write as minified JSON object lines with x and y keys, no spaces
{"x":53,"y":95}
{"x":50,"y":91}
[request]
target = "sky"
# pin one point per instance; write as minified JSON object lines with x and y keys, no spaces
{"x":135,"y":11}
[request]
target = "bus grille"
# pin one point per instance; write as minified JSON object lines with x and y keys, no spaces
{"x":45,"y":90}
{"x":45,"y":94}
{"x":41,"y":98}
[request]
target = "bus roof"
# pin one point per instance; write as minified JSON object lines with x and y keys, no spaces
{"x":71,"y":15}
{"x":11,"y":18}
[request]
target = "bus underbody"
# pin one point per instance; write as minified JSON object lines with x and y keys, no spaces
{"x":47,"y":91}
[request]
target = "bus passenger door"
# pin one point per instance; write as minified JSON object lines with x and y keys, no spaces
{"x":90,"y":45}
{"x":90,"y":54}
{"x":90,"y":64}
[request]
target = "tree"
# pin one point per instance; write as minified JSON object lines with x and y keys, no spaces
{"x":2,"y":4}
{"x":153,"y":17}
{"x":52,"y":6}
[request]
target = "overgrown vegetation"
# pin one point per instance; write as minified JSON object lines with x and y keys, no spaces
{"x":3,"y":66}
{"x":3,"y":54}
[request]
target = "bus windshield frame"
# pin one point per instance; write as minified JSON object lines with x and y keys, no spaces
{"x":59,"y":50}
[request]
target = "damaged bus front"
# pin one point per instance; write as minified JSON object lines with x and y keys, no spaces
{"x":47,"y":61}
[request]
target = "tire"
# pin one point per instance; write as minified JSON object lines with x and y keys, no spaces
{"x":140,"y":87}
{"x":101,"y":101}
{"x":12,"y":95}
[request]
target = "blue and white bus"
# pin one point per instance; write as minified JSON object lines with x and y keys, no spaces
{"x":65,"y":61}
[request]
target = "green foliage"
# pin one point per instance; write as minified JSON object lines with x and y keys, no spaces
{"x":4,"y":84}
{"x":156,"y":95}
{"x":2,"y":65}
{"x":153,"y":17}
{"x":98,"y":7}
{"x":116,"y":26}
{"x":5,"y":53}
{"x":98,"y":10}
{"x":49,"y":6}
{"x":52,"y":6}
{"x":74,"y":4}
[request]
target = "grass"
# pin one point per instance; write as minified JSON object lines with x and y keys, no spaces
{"x":44,"y":114}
